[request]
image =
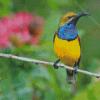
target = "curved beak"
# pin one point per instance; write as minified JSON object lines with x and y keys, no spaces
{"x":74,"y":21}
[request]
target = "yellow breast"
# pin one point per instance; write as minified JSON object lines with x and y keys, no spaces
{"x":67,"y":51}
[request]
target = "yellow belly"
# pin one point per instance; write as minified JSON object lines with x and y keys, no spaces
{"x":67,"y":51}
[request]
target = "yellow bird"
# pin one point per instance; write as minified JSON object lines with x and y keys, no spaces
{"x":67,"y":45}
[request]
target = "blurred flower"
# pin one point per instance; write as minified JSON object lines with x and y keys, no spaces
{"x":20,"y":29}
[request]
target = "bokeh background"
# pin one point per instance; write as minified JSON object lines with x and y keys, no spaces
{"x":27,"y":28}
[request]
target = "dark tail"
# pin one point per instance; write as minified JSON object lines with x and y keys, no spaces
{"x":71,"y":74}
{"x":70,"y":77}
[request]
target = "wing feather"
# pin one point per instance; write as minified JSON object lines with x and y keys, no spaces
{"x":54,"y":36}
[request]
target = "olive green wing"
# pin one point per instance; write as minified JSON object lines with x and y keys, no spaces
{"x":79,"y":40}
{"x":54,"y":36}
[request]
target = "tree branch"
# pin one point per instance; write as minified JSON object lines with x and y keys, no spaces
{"x":47,"y":63}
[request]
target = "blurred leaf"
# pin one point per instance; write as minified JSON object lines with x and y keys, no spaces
{"x":91,"y":93}
{"x":81,"y":32}
{"x":5,"y":7}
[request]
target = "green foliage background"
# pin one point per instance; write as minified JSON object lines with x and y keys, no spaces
{"x":27,"y":81}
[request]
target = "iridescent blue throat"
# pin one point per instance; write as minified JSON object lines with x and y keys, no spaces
{"x":67,"y":32}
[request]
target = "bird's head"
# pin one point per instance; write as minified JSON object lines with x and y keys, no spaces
{"x":70,"y":18}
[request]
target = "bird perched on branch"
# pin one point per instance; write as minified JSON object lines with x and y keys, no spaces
{"x":67,"y":45}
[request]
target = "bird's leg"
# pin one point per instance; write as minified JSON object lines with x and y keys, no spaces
{"x":55,"y":64}
{"x":76,"y":67}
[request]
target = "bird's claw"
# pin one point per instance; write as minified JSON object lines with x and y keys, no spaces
{"x":55,"y":64}
{"x":75,"y":69}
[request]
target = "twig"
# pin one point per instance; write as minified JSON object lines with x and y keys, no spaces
{"x":47,"y":63}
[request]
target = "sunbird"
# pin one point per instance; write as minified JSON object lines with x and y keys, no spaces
{"x":67,"y":44}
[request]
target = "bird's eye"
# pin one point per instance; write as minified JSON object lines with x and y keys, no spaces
{"x":69,"y":17}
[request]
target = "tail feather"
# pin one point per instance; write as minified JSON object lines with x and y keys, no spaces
{"x":71,"y":78}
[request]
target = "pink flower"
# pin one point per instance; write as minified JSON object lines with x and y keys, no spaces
{"x":3,"y":35}
{"x":20,"y":29}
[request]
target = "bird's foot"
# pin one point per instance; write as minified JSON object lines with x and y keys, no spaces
{"x":76,"y":67}
{"x":55,"y":64}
